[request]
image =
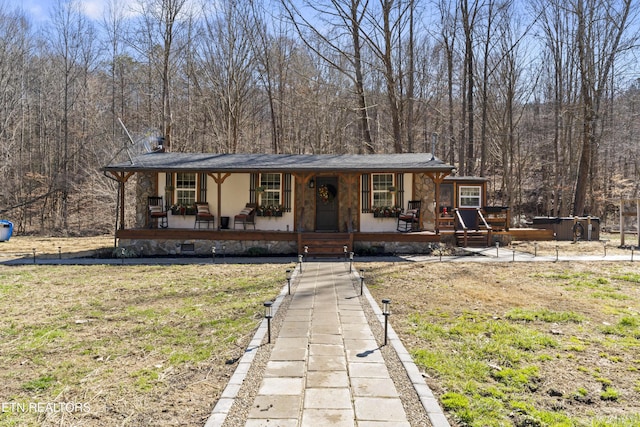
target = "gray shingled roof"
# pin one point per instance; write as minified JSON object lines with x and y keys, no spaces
{"x":192,"y":162}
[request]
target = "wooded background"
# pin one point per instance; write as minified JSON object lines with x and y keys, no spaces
{"x":540,"y":96}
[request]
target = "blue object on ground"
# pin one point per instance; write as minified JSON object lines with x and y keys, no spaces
{"x":6,"y":230}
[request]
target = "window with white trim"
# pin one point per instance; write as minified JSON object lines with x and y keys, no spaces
{"x":381,"y":182}
{"x":186,"y":188}
{"x":470,"y":196}
{"x":271,"y":184}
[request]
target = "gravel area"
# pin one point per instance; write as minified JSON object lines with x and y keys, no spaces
{"x":237,"y":416}
{"x":416,"y":413}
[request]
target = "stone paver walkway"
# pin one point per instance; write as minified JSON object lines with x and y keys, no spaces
{"x":325,"y":366}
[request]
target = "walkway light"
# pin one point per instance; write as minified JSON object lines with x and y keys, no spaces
{"x":289,"y":280}
{"x":300,"y":257}
{"x":361,"y":280}
{"x":535,"y":249}
{"x":350,"y":261}
{"x":268,"y":314}
{"x":213,"y":253}
{"x":386,"y":312}
{"x":344,"y":249}
{"x":497,"y":249}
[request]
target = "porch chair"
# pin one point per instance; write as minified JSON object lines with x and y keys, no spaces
{"x":410,"y":220}
{"x":246,"y":216}
{"x":157,"y":212}
{"x":203,"y":215}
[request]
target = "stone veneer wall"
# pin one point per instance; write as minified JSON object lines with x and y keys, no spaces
{"x":424,"y":190}
{"x":345,"y":203}
{"x":170,"y":247}
{"x":146,"y":186}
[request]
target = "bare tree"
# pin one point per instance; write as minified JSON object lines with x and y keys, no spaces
{"x":162,"y":42}
{"x":72,"y":44}
{"x":601,"y":26}
{"x":347,"y":16}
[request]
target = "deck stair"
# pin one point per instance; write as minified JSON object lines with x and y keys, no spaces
{"x":475,"y":238}
{"x":325,"y":245}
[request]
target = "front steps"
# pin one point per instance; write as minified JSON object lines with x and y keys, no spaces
{"x":325,"y":245}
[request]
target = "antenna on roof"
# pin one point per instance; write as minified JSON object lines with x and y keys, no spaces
{"x":149,"y":141}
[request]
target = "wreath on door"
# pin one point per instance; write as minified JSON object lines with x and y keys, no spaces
{"x":326,"y":193}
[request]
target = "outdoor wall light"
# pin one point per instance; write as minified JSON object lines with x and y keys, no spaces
{"x":268,"y":314}
{"x":306,"y":250}
{"x":361,"y":280}
{"x":386,"y":312}
{"x":312,"y":183}
{"x":289,"y":280}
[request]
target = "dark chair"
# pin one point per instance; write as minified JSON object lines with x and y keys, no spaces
{"x":157,"y":212}
{"x":203,"y":215}
{"x":246,"y":216}
{"x":410,"y":220}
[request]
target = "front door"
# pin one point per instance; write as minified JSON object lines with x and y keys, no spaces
{"x":327,"y":203}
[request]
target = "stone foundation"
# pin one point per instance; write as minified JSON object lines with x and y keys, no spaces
{"x":193,"y":247}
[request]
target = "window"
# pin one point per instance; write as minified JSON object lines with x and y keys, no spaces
{"x":381,"y":194}
{"x":469,"y":197}
{"x":270,"y":184}
{"x":185,"y":189}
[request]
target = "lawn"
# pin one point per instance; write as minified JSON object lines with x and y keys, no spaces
{"x":510,"y":344}
{"x":124,"y":345}
{"x":551,"y":344}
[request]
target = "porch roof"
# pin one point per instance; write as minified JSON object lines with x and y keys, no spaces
{"x":215,"y":162}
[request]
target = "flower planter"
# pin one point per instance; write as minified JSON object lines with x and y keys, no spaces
{"x":183,"y":211}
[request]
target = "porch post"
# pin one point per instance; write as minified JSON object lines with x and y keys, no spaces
{"x":122,"y":181}
{"x":219,"y":179}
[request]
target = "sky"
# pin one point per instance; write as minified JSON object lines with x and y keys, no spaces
{"x":40,"y":10}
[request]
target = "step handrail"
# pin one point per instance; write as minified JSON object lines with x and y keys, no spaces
{"x":486,"y":225}
{"x":464,"y":227}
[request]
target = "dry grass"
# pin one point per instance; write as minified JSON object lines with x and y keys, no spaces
{"x":131,"y":345}
{"x":148,"y":345}
{"x":569,"y":332}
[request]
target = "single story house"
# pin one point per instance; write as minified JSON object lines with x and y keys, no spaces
{"x":286,"y":203}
